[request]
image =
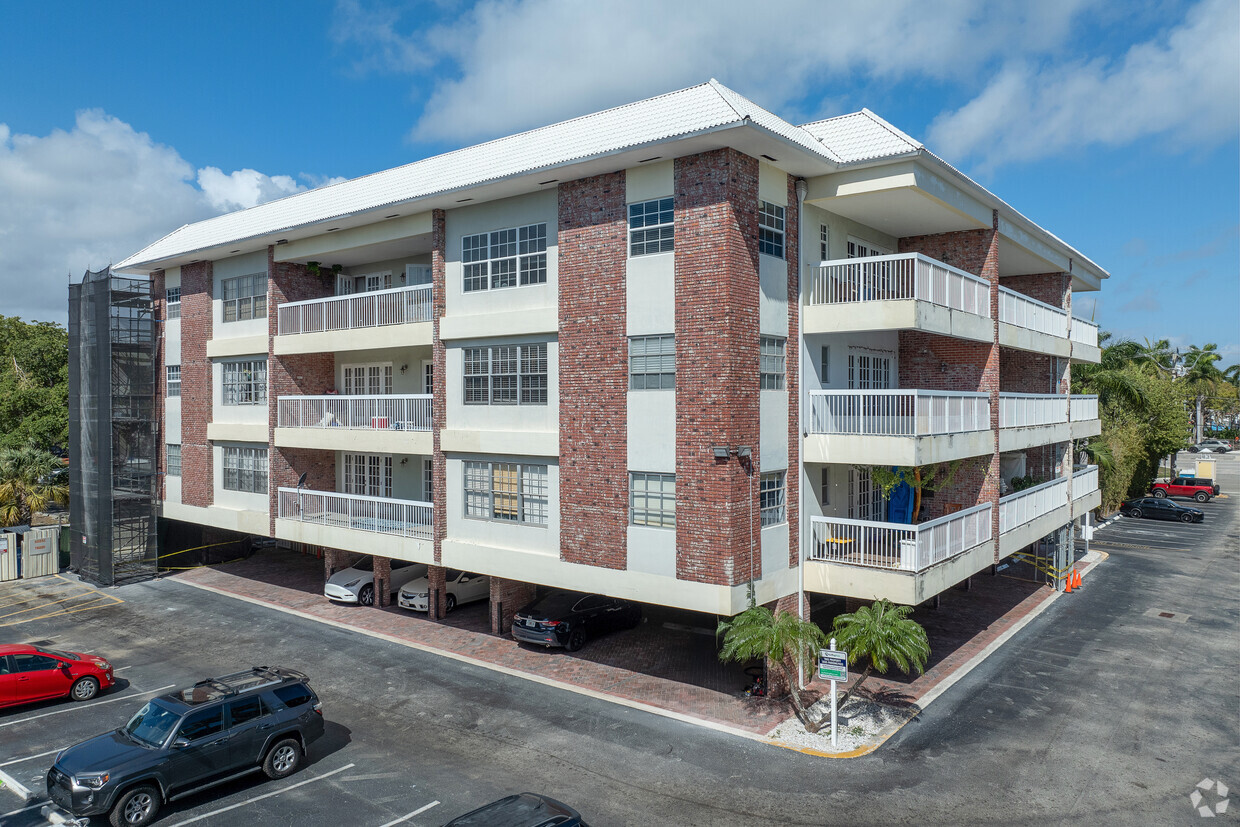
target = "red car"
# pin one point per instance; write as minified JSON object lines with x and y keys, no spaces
{"x":31,"y":673}
{"x":1199,"y":489}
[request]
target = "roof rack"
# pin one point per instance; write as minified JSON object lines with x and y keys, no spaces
{"x":212,"y":689}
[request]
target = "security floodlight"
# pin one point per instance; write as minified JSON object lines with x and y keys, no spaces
{"x":721,"y":451}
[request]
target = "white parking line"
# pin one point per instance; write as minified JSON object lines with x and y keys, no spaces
{"x":86,"y":706}
{"x":30,"y":757}
{"x":416,"y":812}
{"x":23,"y":809}
{"x":261,"y":797}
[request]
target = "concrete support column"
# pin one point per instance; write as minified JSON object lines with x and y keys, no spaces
{"x":437,"y":609}
{"x":333,"y":561}
{"x":383,"y":580}
{"x":507,"y":596}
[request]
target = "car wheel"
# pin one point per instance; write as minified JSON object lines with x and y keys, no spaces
{"x":449,"y":604}
{"x":1186,"y":518}
{"x":1136,"y":512}
{"x":366,"y":596}
{"x":283,"y":759}
{"x":1201,"y":497}
{"x":84,"y":689}
{"x":136,"y":807}
{"x":576,"y":639}
{"x":1158,"y":492}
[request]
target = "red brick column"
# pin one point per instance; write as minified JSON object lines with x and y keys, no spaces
{"x":197,"y":463}
{"x":333,"y":561}
{"x":439,"y":465}
{"x":436,"y":600}
{"x":777,"y":686}
{"x":507,"y":597}
{"x":382,"y":581}
{"x":716,"y":365}
{"x":593,"y":372}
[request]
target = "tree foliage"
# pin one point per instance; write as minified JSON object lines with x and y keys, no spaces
{"x":30,"y":480}
{"x":34,"y":384}
{"x":884,"y":634}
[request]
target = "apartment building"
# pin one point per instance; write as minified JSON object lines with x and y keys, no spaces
{"x":660,"y":352}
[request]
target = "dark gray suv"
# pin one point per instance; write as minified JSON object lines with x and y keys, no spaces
{"x":217,"y":730}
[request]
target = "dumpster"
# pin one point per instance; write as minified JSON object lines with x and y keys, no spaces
{"x":40,"y":552}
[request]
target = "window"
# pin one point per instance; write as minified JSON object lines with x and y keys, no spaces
{"x":292,"y":696}
{"x":245,"y":383}
{"x":863,"y":249}
{"x":825,"y":372}
{"x":652,"y":499}
{"x":372,"y":380}
{"x":367,"y":475}
{"x":34,"y":663}
{"x":504,"y":258}
{"x":244,"y":711}
{"x":770,"y":229}
{"x":202,"y":724}
{"x":652,"y":362}
{"x":173,"y":296}
{"x":174,"y":460}
{"x":824,"y":252}
{"x":771,"y":498}
{"x":245,"y":297}
{"x":428,"y":480}
{"x":509,"y":491}
{"x":506,"y":375}
{"x":651,"y":227}
{"x":771,"y":362}
{"x":869,"y":370}
{"x":245,"y":469}
{"x":174,"y":380}
{"x":824,"y":497}
{"x":865,"y":499}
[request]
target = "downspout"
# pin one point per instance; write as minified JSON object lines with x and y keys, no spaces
{"x":801,"y":189}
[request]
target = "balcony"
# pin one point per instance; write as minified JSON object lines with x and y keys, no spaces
{"x":900,"y":292}
{"x":368,"y":525}
{"x":1029,"y":419}
{"x":1084,"y":336}
{"x":395,"y":424}
{"x":1027,"y":516}
{"x":1086,"y":493}
{"x":904,"y":563}
{"x":1028,"y":324}
{"x":897,"y":427}
{"x":399,"y":317}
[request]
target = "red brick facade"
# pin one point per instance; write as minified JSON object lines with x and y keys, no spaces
{"x":197,"y":464}
{"x":717,"y":396}
{"x":593,"y":374}
{"x":507,"y":597}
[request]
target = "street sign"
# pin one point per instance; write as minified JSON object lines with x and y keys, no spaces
{"x":832,"y":665}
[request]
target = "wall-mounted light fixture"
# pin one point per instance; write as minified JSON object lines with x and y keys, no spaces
{"x":721,"y":451}
{"x":404,"y":368}
{"x":744,"y":452}
{"x":404,"y":460}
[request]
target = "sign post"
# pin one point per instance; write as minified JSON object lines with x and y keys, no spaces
{"x":833,"y":666}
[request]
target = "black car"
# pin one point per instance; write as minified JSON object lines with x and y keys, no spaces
{"x":1157,"y":508}
{"x":524,"y":810}
{"x":567,"y":619}
{"x":214,"y":731}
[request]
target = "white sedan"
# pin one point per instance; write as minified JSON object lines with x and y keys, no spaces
{"x":356,"y":584}
{"x":462,"y":587}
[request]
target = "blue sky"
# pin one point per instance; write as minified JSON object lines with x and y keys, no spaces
{"x":1115,"y":125}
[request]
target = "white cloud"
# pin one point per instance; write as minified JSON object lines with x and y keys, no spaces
{"x":1184,"y":85}
{"x":89,"y":196}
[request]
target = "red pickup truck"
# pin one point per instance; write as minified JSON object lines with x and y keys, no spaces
{"x":1200,"y":490}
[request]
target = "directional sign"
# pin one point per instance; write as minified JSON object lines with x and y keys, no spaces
{"x":832,"y":665}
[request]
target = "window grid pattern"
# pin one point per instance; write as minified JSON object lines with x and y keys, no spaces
{"x":504,"y":258}
{"x":652,"y":499}
{"x":652,"y":362}
{"x":770,"y":229}
{"x":174,"y":460}
{"x":173,"y":297}
{"x":823,"y":250}
{"x":771,"y":498}
{"x":651,"y":227}
{"x":174,"y":380}
{"x":245,"y":469}
{"x":508,"y":491}
{"x":245,"y":383}
{"x":367,"y":475}
{"x":506,"y":375}
{"x":868,"y":371}
{"x":771,"y":362}
{"x":245,"y":297}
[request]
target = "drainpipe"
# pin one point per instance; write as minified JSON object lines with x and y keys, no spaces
{"x":801,"y":189}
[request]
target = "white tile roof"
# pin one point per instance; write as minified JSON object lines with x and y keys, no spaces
{"x":861,"y":136}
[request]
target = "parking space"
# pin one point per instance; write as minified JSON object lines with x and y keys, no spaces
{"x":48,"y":597}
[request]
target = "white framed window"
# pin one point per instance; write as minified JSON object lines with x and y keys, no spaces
{"x":865,"y":499}
{"x":173,"y":296}
{"x":864,"y":249}
{"x":367,"y":475}
{"x":506,"y":375}
{"x":428,"y":377}
{"x":869,"y":369}
{"x":504,"y":258}
{"x":245,"y":297}
{"x":245,"y":382}
{"x":652,"y":499}
{"x":825,"y":366}
{"x":174,"y":459}
{"x":174,"y":379}
{"x":824,"y":249}
{"x":651,"y":227}
{"x":418,"y":274}
{"x":770,"y":229}
{"x":245,"y":469}
{"x":652,"y":362}
{"x":428,"y":480}
{"x":509,"y":491}
{"x":824,"y":490}
{"x":771,"y":498}
{"x":367,"y":379}
{"x":771,"y":362}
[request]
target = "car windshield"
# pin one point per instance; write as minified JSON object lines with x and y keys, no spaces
{"x":152,"y":724}
{"x":364,"y":565}
{"x":57,"y":653}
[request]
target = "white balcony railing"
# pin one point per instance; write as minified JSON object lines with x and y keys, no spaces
{"x":1026,"y":410}
{"x":899,"y":546}
{"x":1084,"y":481}
{"x":1025,"y":506}
{"x":399,"y":305}
{"x":897,"y":413}
{"x":1084,"y":332}
{"x":1022,"y":311}
{"x":398,"y":412}
{"x":403,"y":518}
{"x":1084,"y":407}
{"x":903,"y":276}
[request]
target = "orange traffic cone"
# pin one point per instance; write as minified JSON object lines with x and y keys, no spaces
{"x":1078,"y":579}
{"x":1068,"y":584}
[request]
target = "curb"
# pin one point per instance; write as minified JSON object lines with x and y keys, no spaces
{"x":9,"y":782}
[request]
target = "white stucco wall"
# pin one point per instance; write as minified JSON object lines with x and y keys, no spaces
{"x":652,"y":431}
{"x":837,"y":371}
{"x":652,"y":550}
{"x":460,"y":416}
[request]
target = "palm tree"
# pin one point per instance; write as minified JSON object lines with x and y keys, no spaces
{"x":882,"y":632}
{"x":1108,"y":378}
{"x":29,"y":480}
{"x":758,"y":632}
